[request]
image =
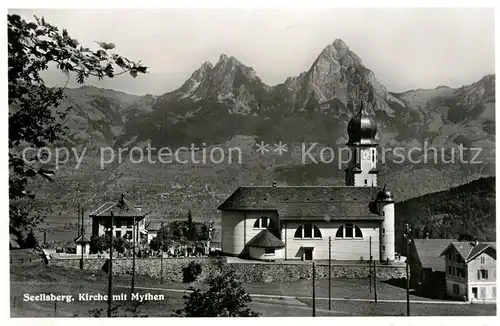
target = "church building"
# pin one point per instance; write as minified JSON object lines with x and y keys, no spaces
{"x":297,"y":222}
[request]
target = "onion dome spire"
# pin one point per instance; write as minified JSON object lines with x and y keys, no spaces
{"x":361,"y":128}
{"x":385,"y":195}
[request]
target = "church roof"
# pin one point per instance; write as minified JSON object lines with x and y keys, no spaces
{"x":265,"y":239}
{"x":306,"y":203}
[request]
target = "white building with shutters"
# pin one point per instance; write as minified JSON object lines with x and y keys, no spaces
{"x":471,"y":271}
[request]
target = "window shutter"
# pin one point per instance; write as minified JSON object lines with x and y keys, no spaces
{"x":478,"y":274}
{"x":494,"y":272}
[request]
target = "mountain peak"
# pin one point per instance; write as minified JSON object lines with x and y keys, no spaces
{"x":224,"y":60}
{"x":202,"y":72}
{"x":337,"y":50}
{"x":340,"y":45}
{"x":207,"y":65}
{"x":223,"y":57}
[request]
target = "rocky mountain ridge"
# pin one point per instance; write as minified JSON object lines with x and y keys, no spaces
{"x":227,"y":104}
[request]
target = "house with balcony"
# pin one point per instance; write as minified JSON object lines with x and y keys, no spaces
{"x":124,"y":215}
{"x":471,"y":271}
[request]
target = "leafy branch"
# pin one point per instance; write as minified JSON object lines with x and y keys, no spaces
{"x":34,"y":121}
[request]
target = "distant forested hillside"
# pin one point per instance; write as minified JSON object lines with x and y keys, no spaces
{"x":466,"y":212}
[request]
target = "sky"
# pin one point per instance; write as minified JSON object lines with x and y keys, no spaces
{"x":405,"y":48}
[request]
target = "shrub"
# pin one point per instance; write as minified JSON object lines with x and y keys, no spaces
{"x":30,"y":241}
{"x":191,"y":272}
{"x":225,"y":297}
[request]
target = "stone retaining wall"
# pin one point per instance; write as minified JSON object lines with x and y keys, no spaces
{"x":88,"y":263}
{"x":172,"y":267}
{"x":248,"y":272}
{"x":291,"y":272}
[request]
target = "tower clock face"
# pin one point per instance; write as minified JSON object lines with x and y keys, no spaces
{"x":365,"y":155}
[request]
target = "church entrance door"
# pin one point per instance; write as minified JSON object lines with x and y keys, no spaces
{"x":308,"y":253}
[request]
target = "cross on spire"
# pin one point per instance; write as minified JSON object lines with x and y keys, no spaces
{"x":121,"y":202}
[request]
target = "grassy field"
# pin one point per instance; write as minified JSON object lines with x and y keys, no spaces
{"x":39,"y":278}
{"x":358,"y":308}
{"x":276,"y":299}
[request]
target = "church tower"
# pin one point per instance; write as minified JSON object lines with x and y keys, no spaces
{"x":362,"y":170}
{"x":385,"y":205}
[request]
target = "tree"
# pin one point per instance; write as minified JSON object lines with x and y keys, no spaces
{"x":191,"y":229}
{"x":466,"y":236}
{"x":203,"y":233}
{"x":163,"y":239}
{"x":225,"y":297}
{"x":120,"y":244}
{"x":190,"y":221}
{"x":30,"y":241}
{"x":178,"y":231}
{"x":26,"y":216}
{"x":33,"y":117}
{"x":99,"y":244}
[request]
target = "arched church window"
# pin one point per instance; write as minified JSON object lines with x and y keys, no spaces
{"x":298,"y":232}
{"x":349,"y":231}
{"x":307,"y":231}
{"x":264,"y":223}
{"x":317,"y":232}
{"x":340,"y":232}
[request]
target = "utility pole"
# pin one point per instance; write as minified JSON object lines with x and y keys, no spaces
{"x":329,"y":273}
{"x":78,"y":221}
{"x":314,"y":290}
{"x":370,"y":255}
{"x":370,"y":266}
{"x":161,"y":265}
{"x":133,"y":257}
{"x":110,"y":277}
{"x":375,"y":279}
{"x":408,"y":241}
{"x":161,"y":253}
{"x":210,"y":230}
{"x":82,"y":242}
